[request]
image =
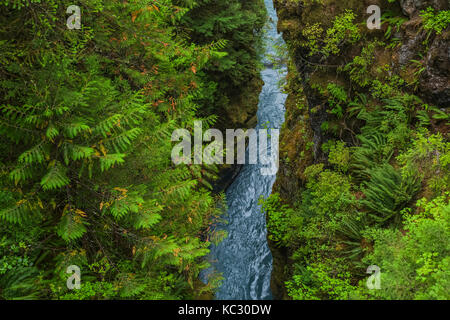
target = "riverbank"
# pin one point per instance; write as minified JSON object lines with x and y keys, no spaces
{"x":355,"y":117}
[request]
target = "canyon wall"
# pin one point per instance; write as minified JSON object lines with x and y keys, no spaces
{"x":401,"y":58}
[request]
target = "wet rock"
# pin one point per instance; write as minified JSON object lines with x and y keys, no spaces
{"x":433,"y":87}
{"x":227,"y":175}
{"x":413,"y":7}
{"x":412,"y":43}
{"x":293,"y":7}
{"x":436,"y":81}
{"x":407,"y":52}
{"x":280,"y":260}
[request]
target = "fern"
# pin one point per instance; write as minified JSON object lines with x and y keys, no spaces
{"x":374,"y":150}
{"x":388,"y":192}
{"x":20,"y":284}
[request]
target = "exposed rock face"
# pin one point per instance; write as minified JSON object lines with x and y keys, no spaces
{"x":412,"y":43}
{"x":305,"y":119}
{"x":241,"y":114}
{"x":436,"y":81}
{"x":413,"y":7}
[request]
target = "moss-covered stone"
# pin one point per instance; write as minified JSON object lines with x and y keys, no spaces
{"x":382,"y":67}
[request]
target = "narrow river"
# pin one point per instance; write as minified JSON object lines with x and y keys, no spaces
{"x":244,"y":257}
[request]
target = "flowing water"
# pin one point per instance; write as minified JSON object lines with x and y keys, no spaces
{"x":244,"y":257}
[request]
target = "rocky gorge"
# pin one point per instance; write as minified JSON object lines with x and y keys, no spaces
{"x":336,"y":65}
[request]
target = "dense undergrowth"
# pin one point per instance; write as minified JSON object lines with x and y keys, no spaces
{"x":86,"y":176}
{"x":371,"y":156}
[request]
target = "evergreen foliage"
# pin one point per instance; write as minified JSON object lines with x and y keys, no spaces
{"x":374,"y":189}
{"x":86,"y":176}
{"x":237,"y":27}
